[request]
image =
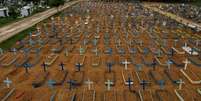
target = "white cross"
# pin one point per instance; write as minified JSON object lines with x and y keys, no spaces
{"x":89,"y":83}
{"x":109,"y":83}
{"x":14,"y":51}
{"x":66,"y":52}
{"x":186,"y":63}
{"x":169,"y":63}
{"x":81,"y":50}
{"x":197,"y":42}
{"x":126,"y":64}
{"x":96,"y":51}
{"x":185,"y":44}
{"x":119,"y":42}
{"x":7,"y":82}
{"x":180,"y":83}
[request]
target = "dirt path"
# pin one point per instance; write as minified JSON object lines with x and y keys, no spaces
{"x":14,"y":28}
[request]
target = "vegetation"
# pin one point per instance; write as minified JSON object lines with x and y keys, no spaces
{"x":7,"y":20}
{"x":11,"y":41}
{"x":197,"y":3}
{"x":55,"y":3}
{"x":13,"y":12}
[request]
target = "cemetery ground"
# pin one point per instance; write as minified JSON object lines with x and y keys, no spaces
{"x":104,"y":51}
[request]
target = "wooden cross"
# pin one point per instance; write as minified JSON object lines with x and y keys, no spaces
{"x":130,"y":82}
{"x":7,"y":82}
{"x":180,"y":82}
{"x":89,"y":83}
{"x":186,"y":62}
{"x":44,"y":66}
{"x":109,"y":83}
{"x":143,"y":83}
{"x":126,"y":63}
{"x":62,"y":66}
{"x":169,"y":62}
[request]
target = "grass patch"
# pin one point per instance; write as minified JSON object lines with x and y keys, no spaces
{"x":7,"y":20}
{"x":197,"y":3}
{"x":11,"y":41}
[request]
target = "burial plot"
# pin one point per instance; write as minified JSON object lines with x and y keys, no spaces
{"x":21,"y":78}
{"x":126,"y":74}
{"x":2,"y":56}
{"x":57,"y":47}
{"x":119,"y":95}
{"x":89,"y":95}
{"x":173,"y":75}
{"x":178,"y":60}
{"x":35,"y":48}
{"x":191,"y":76}
{"x":108,"y":50}
{"x":195,"y":69}
{"x":110,"y":96}
{"x":40,"y":79}
{"x":78,"y":96}
{"x":68,"y":54}
{"x":195,"y":60}
{"x":183,"y":95}
{"x":96,"y":60}
{"x":64,"y":95}
{"x":109,"y":59}
{"x":21,"y":95}
{"x":178,"y":50}
{"x":110,"y":76}
{"x":168,"y":51}
{"x":132,"y":50}
{"x":82,"y":50}
{"x":23,"y":58}
{"x":131,"y":95}
{"x":78,"y":76}
{"x":149,"y":60}
{"x":156,"y":76}
{"x":163,"y":95}
{"x":51,"y":58}
{"x":146,"y":95}
{"x":80,"y":59}
{"x":141,"y":75}
{"x":34,"y":59}
{"x":5,"y":93}
{"x":13,"y":73}
{"x":59,"y":77}
{"x":9,"y":59}
{"x":121,"y":50}
{"x":162,"y":61}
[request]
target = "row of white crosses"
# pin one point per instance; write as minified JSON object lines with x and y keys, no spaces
{"x":90,"y":83}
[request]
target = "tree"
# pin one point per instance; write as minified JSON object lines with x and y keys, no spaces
{"x":13,"y":11}
{"x":56,"y":3}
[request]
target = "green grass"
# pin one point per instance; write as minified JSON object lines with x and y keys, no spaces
{"x":197,"y":3}
{"x":11,"y":41}
{"x":7,"y":20}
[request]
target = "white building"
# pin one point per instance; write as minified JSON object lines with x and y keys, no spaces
{"x":26,"y":11}
{"x":3,"y":12}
